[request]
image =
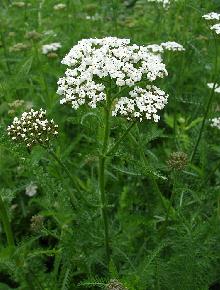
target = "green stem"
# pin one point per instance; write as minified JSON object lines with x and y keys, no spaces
{"x":115,"y":146}
{"x":209,"y":102}
{"x":6,"y":223}
{"x":171,"y":203}
{"x":102,"y":165}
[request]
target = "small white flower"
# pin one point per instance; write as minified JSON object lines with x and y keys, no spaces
{"x":217,"y":87}
{"x":212,"y":16}
{"x":155,"y":48}
{"x":46,"y":48}
{"x":215,"y":122}
{"x":216,"y":28}
{"x":172,"y":45}
{"x":59,"y":6}
{"x":166,"y":3}
{"x":31,"y":189}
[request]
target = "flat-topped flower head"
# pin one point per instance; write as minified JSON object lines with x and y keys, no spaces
{"x":212,"y":16}
{"x":32,"y":128}
{"x":141,"y":104}
{"x":46,"y":48}
{"x":94,"y":62}
{"x":215,"y":122}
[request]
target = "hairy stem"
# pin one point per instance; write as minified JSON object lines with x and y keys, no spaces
{"x":6,"y":223}
{"x":123,"y":136}
{"x":102,"y":165}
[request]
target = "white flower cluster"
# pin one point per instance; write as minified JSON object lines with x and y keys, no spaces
{"x":142,"y":103}
{"x":166,"y":3}
{"x":217,"y":87}
{"x":46,"y":48}
{"x":213,"y":16}
{"x":215,"y":122}
{"x":93,"y":62}
{"x":32,"y":128}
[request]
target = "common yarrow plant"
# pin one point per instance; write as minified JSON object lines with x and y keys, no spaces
{"x":117,"y":76}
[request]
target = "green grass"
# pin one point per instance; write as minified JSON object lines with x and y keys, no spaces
{"x":163,"y":224}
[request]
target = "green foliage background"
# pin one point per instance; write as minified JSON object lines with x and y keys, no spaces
{"x":148,"y":251}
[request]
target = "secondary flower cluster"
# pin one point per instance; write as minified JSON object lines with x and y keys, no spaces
{"x":213,"y":16}
{"x":143,"y":103}
{"x":46,"y":48}
{"x":32,"y":128}
{"x":93,"y":63}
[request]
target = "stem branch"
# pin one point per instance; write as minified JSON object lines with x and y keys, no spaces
{"x":115,"y":146}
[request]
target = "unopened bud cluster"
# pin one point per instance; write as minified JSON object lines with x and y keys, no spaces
{"x":37,"y":223}
{"x":32,"y":128}
{"x":115,"y":285}
{"x":177,"y":161}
